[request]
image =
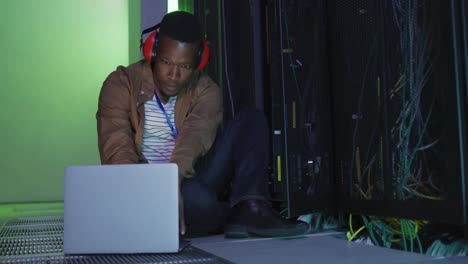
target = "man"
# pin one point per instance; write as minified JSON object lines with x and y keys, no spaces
{"x":164,"y":109}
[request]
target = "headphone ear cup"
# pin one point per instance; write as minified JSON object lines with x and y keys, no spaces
{"x":148,"y":47}
{"x":205,"y":56}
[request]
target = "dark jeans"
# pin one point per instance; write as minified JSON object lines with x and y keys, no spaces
{"x":236,"y":165}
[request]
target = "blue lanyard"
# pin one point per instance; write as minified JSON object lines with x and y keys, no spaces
{"x":173,"y":128}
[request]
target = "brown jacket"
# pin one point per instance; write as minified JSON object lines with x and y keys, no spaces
{"x":121,"y":115}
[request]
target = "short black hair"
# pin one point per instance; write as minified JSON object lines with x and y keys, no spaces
{"x":181,"y":26}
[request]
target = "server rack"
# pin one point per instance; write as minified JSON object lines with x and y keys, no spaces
{"x":399,"y":91}
{"x":366,"y":102}
{"x":300,"y":107}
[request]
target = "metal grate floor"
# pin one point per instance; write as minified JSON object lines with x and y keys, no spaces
{"x":40,"y":240}
{"x":33,"y":226}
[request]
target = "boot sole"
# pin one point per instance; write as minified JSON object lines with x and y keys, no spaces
{"x":239,"y":231}
{"x":236,"y":231}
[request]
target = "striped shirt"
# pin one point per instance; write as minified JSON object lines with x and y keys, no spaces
{"x":158,"y":140}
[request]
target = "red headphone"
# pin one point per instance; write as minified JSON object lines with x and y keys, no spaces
{"x":150,"y":46}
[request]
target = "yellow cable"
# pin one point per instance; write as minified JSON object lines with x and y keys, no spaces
{"x":425,"y":195}
{"x":361,"y":191}
{"x":350,"y":223}
{"x":369,"y":186}
{"x":357,"y":232}
{"x":358,"y":164}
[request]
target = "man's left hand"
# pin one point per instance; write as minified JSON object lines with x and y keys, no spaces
{"x":181,"y":213}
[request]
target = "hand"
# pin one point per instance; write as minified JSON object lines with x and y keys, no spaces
{"x":181,"y":214}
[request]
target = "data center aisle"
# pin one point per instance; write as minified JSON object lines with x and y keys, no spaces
{"x":313,"y":248}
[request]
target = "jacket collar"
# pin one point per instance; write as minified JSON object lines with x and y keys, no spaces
{"x":147,"y":83}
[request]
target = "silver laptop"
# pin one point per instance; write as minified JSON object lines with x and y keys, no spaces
{"x":121,"y":209}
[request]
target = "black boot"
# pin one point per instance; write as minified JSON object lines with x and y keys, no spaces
{"x":256,"y":217}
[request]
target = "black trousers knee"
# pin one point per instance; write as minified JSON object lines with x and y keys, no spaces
{"x":236,"y":165}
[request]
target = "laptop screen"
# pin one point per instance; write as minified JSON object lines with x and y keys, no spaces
{"x":121,"y":209}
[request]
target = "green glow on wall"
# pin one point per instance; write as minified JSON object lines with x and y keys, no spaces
{"x":172,"y":5}
{"x":55,"y":56}
{"x":182,"y":5}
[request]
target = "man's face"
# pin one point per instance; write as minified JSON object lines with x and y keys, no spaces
{"x":174,"y":65}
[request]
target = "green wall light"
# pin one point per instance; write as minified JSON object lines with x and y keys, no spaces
{"x":55,"y":57}
{"x":172,"y":5}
